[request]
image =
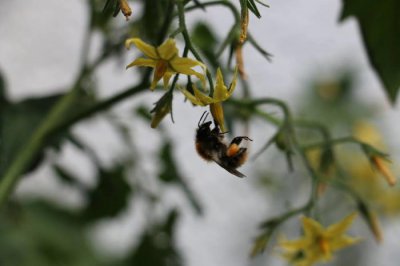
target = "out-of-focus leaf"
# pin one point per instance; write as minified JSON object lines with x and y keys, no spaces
{"x":154,"y":14}
{"x":168,"y":169}
{"x":112,"y":6}
{"x":157,"y":246}
{"x":333,"y":100}
{"x":260,"y":243}
{"x":206,"y":40}
{"x":110,"y":196}
{"x":380,"y":27}
{"x":2,"y":89}
{"x":19,"y":120}
{"x":261,"y":50}
{"x":169,"y":173}
{"x":198,"y":4}
{"x":39,"y":233}
{"x":102,"y":12}
{"x":162,"y":107}
{"x":67,"y":177}
{"x":251,"y":5}
{"x":143,"y":112}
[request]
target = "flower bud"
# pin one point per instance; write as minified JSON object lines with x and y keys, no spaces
{"x":162,"y":108}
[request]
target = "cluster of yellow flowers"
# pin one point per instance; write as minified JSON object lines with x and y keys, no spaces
{"x":166,"y":62}
{"x":317,"y":243}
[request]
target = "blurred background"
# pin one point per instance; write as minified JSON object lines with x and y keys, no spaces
{"x":117,"y":192}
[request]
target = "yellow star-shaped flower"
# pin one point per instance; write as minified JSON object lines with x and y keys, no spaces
{"x":318,"y":243}
{"x":221,"y":93}
{"x":165,"y":60}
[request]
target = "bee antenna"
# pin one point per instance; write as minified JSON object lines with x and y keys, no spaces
{"x":201,"y":121}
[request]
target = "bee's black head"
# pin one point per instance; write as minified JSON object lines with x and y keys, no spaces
{"x":204,"y":129}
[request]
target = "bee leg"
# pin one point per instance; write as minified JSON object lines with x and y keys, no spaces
{"x":237,"y":140}
{"x":234,"y":149}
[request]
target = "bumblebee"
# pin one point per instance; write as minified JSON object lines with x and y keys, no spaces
{"x":210,"y":145}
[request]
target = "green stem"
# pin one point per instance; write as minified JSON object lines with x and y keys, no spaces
{"x":333,"y":142}
{"x":228,"y":4}
{"x":36,"y":142}
{"x":125,"y":94}
{"x":188,"y":42}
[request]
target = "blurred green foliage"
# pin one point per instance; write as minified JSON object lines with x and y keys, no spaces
{"x":380,"y":27}
{"x":40,"y":233}
{"x":18,"y":121}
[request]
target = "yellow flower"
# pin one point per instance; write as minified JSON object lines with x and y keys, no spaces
{"x":221,"y":93}
{"x":318,"y":243}
{"x":165,"y":60}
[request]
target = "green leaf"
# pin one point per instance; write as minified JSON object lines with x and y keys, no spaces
{"x":157,"y":246}
{"x":154,"y":14}
{"x":40,"y":233}
{"x":110,"y":196}
{"x":66,"y":176}
{"x":206,"y":40}
{"x":169,"y":173}
{"x":2,"y":89}
{"x":380,"y":27}
{"x":18,"y":121}
{"x":251,"y":5}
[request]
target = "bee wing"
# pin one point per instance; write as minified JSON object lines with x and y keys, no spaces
{"x":230,"y":170}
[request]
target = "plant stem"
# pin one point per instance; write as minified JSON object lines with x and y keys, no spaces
{"x":36,"y":142}
{"x":333,"y":142}
{"x":188,"y":42}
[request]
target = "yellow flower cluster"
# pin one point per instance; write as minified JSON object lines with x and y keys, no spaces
{"x":166,"y":62}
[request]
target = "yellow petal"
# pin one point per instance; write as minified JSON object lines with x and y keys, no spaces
{"x":143,"y":62}
{"x":232,"y":86}
{"x":220,"y":90}
{"x":311,"y":227}
{"x":167,"y":50}
{"x":293,"y":245}
{"x":217,"y":113}
{"x":206,"y":100}
{"x":147,"y":49}
{"x":342,"y":242}
{"x":191,"y":97}
{"x":153,"y":84}
{"x":187,"y":62}
{"x":167,"y":77}
{"x":184,"y":65}
{"x":341,"y":227}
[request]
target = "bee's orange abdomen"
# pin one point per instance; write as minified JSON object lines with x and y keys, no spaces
{"x":232,"y":150}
